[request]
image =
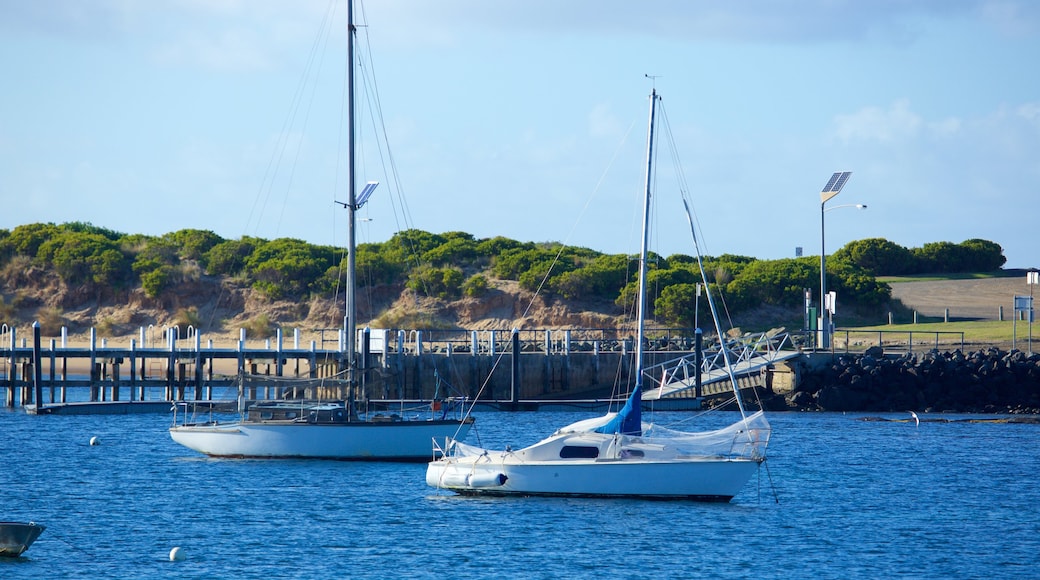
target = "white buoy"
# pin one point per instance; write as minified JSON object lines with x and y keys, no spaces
{"x":95,"y":441}
{"x":176,"y":554}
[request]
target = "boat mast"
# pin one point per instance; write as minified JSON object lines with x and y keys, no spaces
{"x":641,"y":301}
{"x":350,"y":315}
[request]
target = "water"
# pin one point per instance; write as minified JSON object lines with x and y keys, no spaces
{"x":856,"y":499}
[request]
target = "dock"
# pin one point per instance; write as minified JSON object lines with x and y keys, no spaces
{"x":509,"y":370}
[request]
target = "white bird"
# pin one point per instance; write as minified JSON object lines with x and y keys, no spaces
{"x":916,"y":420}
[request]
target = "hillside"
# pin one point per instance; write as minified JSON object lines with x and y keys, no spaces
{"x":222,"y":306}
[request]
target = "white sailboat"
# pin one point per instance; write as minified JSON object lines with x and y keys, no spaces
{"x":326,"y":429}
{"x":617,"y":455}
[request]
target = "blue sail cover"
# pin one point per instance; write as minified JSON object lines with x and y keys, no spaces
{"x":629,"y":420}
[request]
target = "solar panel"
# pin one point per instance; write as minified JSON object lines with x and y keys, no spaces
{"x":366,"y":193}
{"x":836,"y":182}
{"x":831,"y":182}
{"x":841,"y":180}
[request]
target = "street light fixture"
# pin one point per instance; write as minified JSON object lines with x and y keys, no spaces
{"x":833,"y":188}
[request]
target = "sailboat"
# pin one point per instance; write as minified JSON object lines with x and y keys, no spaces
{"x":617,"y":455}
{"x":327,"y":429}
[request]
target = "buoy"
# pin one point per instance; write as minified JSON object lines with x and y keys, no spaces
{"x":176,"y":554}
{"x":94,"y":440}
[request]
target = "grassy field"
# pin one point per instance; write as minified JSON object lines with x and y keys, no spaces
{"x":973,"y":302}
{"x":974,"y":331}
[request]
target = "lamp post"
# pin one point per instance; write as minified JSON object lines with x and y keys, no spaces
{"x":833,"y":188}
{"x":1032,"y":279}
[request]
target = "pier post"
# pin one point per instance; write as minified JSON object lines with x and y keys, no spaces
{"x":514,"y":380}
{"x":93,"y":366}
{"x":116,"y":361}
{"x":133,"y":369}
{"x":12,"y":375}
{"x":198,"y":366}
{"x":54,"y":362}
{"x":171,"y":346}
{"x":278,"y":353}
{"x":37,"y":367}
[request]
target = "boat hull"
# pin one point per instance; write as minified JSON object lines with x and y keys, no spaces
{"x":701,"y":479}
{"x":360,"y":440}
{"x":16,"y":537}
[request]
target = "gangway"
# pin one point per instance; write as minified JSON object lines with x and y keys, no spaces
{"x":747,"y":355}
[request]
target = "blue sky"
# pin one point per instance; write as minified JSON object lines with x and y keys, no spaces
{"x":526,"y":119}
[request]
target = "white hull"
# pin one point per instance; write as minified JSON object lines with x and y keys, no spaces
{"x":579,"y":461}
{"x":390,"y":441}
{"x":696,"y":479}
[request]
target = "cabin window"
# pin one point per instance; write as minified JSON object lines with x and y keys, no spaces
{"x":265,"y":415}
{"x":626,"y":453}
{"x":579,"y":452}
{"x":290,"y":414}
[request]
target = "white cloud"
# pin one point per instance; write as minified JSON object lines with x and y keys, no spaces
{"x":876,"y":124}
{"x":946,"y":127}
{"x":1029,"y":112}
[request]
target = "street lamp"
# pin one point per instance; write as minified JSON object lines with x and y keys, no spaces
{"x":1032,"y":279}
{"x":833,"y":188}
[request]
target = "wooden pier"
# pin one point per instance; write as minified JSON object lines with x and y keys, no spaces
{"x":179,"y":370}
{"x":397,"y":365}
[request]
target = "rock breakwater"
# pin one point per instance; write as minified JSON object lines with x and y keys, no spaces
{"x":990,"y":380}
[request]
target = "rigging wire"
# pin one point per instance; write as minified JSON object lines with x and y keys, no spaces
{"x":684,"y":192}
{"x":711,"y":303}
{"x":266,"y":187}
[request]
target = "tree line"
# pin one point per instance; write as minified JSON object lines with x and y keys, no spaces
{"x":455,"y":264}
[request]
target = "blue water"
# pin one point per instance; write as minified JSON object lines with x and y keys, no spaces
{"x":856,"y":500}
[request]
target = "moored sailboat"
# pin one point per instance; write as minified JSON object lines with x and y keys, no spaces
{"x":327,"y":429}
{"x":617,"y":455}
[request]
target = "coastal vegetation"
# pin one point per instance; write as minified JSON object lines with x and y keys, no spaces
{"x":96,"y":263}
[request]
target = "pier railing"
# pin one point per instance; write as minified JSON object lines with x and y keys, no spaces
{"x":158,"y":365}
{"x":851,"y":340}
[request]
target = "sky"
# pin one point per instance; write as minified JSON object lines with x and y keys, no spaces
{"x":527,"y":119}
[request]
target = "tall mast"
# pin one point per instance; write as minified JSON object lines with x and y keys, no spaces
{"x":641,"y":302}
{"x":350,"y":316}
{"x":628,"y":420}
